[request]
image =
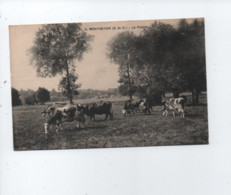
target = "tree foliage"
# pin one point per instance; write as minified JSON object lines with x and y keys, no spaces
{"x":56,"y":49}
{"x":15,"y":97}
{"x":154,"y":49}
{"x":42,"y":95}
{"x":121,"y":50}
{"x":31,"y":99}
{"x":63,"y":86}
{"x":191,"y":56}
{"x":163,"y":58}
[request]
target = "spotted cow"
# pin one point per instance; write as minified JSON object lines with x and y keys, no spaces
{"x":173,"y":105}
{"x":57,"y":115}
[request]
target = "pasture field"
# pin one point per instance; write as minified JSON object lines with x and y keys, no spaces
{"x":130,"y":131}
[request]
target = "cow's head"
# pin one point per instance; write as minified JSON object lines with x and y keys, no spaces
{"x":44,"y":114}
{"x":79,"y":107}
{"x":82,"y":108}
{"x":181,"y":103}
{"x":48,"y":110}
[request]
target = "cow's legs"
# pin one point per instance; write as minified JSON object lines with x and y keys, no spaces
{"x":166,"y":113}
{"x":149,"y":110}
{"x":46,"y":131}
{"x":78,"y":125}
{"x":92,"y":117}
{"x":83,"y":124}
{"x":124,"y":111}
{"x":183,"y":114}
{"x":111,"y":115}
{"x":57,"y":128}
{"x":106,"y":115}
{"x":60,"y":125}
{"x":173,"y":113}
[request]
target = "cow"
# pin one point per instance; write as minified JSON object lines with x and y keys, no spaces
{"x":131,"y":106}
{"x":56,"y":119}
{"x":49,"y":110}
{"x":145,"y":106}
{"x":67,"y":110}
{"x":98,"y":108}
{"x":141,"y":105}
{"x":67,"y":113}
{"x":175,"y":104}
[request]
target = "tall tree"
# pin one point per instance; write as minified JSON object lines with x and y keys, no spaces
{"x":121,"y":51}
{"x":56,"y":49}
{"x":190,"y":56}
{"x":63,"y":86}
{"x":154,"y":51}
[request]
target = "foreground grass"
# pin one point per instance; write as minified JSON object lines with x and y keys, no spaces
{"x":130,"y":131}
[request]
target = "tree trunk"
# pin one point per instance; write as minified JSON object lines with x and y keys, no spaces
{"x":129,"y":80}
{"x":175,"y":94}
{"x":197,"y":98}
{"x":193,"y":97}
{"x":68,"y":85}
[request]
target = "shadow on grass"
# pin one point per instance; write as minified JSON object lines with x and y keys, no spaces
{"x":193,"y":116}
{"x":85,"y":128}
{"x":140,"y":114}
{"x":101,"y":120}
{"x":191,"y":105}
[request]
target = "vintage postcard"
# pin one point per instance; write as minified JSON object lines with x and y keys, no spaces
{"x":109,"y":84}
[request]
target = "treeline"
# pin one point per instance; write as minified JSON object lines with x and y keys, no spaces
{"x":30,"y":97}
{"x":163,"y":58}
{"x":42,"y":95}
{"x":85,"y":94}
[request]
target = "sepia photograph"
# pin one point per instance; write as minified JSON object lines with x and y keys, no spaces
{"x":109,"y":84}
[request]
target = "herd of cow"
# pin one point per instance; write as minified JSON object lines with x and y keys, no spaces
{"x":59,"y":112}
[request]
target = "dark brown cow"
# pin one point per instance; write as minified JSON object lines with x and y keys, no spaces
{"x":98,"y":108}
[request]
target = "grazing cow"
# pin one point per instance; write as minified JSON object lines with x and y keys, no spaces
{"x":50,"y":109}
{"x":56,"y":119}
{"x":141,"y":105}
{"x":67,"y":110}
{"x":175,"y":104}
{"x":98,"y":108}
{"x":67,"y":113}
{"x":131,"y":106}
{"x":146,"y":106}
{"x":149,"y":103}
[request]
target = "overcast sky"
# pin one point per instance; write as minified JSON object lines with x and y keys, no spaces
{"x":95,"y":70}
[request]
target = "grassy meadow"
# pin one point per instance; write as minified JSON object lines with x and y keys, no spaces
{"x":130,"y":131}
